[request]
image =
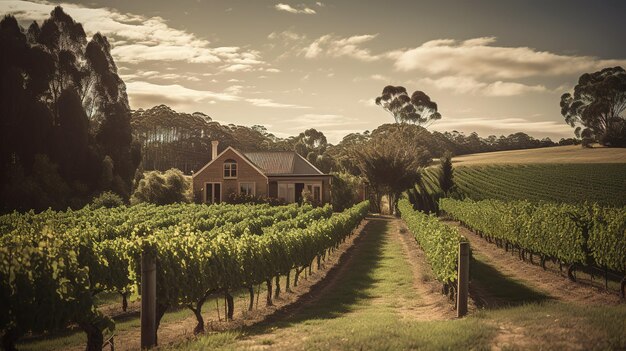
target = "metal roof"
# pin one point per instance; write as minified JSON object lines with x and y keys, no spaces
{"x":281,"y":163}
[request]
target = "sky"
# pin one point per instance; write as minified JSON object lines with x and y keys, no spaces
{"x":493,"y":67}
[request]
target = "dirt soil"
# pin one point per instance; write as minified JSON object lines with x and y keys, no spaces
{"x":550,"y":283}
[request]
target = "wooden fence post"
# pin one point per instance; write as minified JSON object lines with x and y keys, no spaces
{"x":463,"y":279}
{"x":148,"y":301}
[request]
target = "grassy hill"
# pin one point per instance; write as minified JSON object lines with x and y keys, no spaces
{"x":557,"y":154}
{"x":560,"y":174}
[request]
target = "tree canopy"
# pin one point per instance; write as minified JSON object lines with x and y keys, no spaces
{"x":417,"y":109}
{"x":596,"y":108}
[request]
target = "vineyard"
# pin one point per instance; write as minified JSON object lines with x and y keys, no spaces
{"x":572,"y":235}
{"x":569,"y":183}
{"x":63,"y":260}
{"x":439,"y":242}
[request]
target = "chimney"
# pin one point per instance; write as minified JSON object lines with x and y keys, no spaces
{"x":214,"y":145}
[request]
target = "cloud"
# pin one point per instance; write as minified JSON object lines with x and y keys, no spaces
{"x":301,"y":10}
{"x":141,"y":74}
{"x":286,"y":35}
{"x":504,"y":125}
{"x":144,"y":95}
{"x":478,"y":57}
{"x":469,"y":85}
{"x":334,"y":46}
{"x":368,"y":102}
{"x":271,"y":103}
{"x":137,"y":38}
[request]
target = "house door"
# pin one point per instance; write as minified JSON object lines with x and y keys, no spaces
{"x":299,"y":188}
{"x":213,"y":192}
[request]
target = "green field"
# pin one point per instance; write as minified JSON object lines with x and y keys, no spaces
{"x":604,"y":183}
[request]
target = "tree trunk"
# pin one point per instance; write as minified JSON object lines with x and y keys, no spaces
{"x":258,"y":293}
{"x":217,"y":308}
{"x":230,"y":303}
{"x":268,"y":301}
{"x":124,"y":301}
{"x":160,"y":312}
{"x":251,"y":291}
{"x":8,"y":340}
{"x":95,"y":339}
{"x":319,"y":262}
{"x":296,"y":276}
{"x":570,"y":272}
{"x":287,"y":289}
{"x":197,"y":311}
{"x":277,"y":290}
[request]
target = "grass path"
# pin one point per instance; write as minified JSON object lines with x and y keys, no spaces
{"x":371,"y":304}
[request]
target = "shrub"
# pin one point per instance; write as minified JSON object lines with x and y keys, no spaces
{"x":107,"y":199}
{"x":345,"y":189}
{"x":169,"y":187}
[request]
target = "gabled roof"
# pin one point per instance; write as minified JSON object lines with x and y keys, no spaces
{"x":273,"y":163}
{"x":282,"y":163}
{"x":238,"y":154}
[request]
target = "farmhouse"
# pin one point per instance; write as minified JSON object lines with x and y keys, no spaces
{"x":276,"y":174}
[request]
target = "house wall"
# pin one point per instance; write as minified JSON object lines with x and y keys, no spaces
{"x":324,"y":181}
{"x":214,"y":173}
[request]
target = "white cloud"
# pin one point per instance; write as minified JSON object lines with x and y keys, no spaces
{"x":301,"y":10}
{"x":368,"y":102}
{"x":478,"y":57}
{"x":145,"y":94}
{"x":271,"y":103}
{"x":136,"y":38}
{"x":469,"y":85}
{"x":504,"y":125}
{"x":238,"y":67}
{"x":333,"y":46}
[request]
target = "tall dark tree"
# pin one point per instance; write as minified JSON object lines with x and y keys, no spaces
{"x":62,"y":99}
{"x":417,"y":109}
{"x":596,"y":109}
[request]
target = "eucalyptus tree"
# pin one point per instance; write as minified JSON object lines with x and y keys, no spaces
{"x":417,"y":108}
{"x":596,"y":107}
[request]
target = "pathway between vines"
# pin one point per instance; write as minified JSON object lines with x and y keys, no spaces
{"x":383,"y":284}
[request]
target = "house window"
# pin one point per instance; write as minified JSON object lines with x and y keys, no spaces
{"x":230,"y":169}
{"x":213,"y":193}
{"x":247,"y":188}
{"x":287,"y":192}
{"x":316,"y":192}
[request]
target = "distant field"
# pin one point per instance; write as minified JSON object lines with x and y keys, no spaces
{"x":604,"y":183}
{"x":557,"y":154}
